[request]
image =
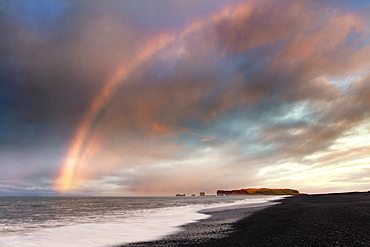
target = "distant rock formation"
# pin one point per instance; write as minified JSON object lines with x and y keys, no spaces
{"x":252,"y":191}
{"x":180,"y":195}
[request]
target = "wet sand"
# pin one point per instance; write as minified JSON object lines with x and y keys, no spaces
{"x":303,"y":220}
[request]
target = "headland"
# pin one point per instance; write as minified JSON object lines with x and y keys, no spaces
{"x":253,"y":191}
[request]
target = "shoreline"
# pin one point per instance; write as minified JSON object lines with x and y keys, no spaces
{"x":219,"y":225}
{"x":216,"y":227}
{"x":341,"y":219}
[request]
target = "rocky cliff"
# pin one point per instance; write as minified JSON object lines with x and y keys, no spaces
{"x":252,"y":191}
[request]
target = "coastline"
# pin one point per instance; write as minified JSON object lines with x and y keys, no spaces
{"x":214,"y":228}
{"x":341,"y":219}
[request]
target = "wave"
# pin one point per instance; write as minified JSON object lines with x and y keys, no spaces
{"x":140,"y":225}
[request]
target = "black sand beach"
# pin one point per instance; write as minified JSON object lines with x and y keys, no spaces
{"x":303,"y":220}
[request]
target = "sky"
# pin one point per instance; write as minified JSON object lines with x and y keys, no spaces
{"x":154,"y":98}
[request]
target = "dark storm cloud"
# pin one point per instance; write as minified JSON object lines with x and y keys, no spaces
{"x":48,"y":80}
{"x":50,"y":70}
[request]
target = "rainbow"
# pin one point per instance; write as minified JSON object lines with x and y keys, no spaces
{"x":76,"y":152}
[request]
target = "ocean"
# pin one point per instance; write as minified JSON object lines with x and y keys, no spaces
{"x":105,"y":221}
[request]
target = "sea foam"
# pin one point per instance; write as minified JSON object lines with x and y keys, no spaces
{"x":140,"y":225}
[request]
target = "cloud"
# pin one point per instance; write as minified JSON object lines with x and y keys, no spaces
{"x":360,"y":90}
{"x":247,"y":87}
{"x":187,"y":90}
